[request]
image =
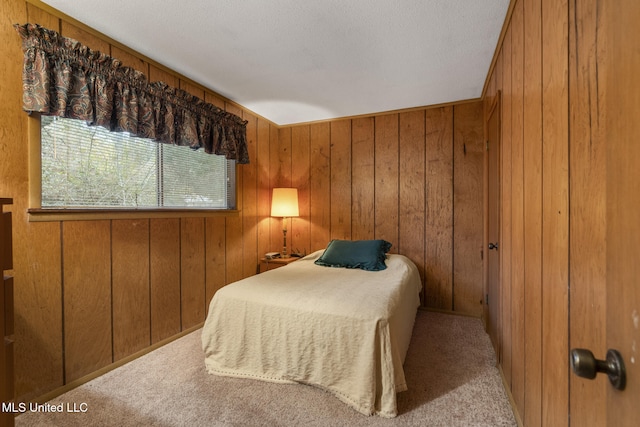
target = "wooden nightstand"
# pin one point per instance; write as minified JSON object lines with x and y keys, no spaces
{"x":270,"y":264}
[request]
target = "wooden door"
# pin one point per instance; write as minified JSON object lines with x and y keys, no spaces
{"x":623,"y":203}
{"x":492,"y":285}
{"x":617,"y":289}
{"x":588,"y":201}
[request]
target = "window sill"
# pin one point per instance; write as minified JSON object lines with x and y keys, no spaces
{"x":44,"y":215}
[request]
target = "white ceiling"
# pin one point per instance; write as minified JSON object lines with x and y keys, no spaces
{"x":294,"y":61}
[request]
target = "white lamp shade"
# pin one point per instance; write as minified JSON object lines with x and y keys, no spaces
{"x":284,"y":202}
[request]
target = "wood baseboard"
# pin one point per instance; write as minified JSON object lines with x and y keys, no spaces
{"x":456,"y":313}
{"x":73,"y":384}
{"x":512,"y":402}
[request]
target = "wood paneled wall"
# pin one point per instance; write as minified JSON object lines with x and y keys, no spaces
{"x":413,"y":178}
{"x":552,"y":215}
{"x":91,"y":293}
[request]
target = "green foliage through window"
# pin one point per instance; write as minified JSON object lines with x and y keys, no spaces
{"x":89,"y":167}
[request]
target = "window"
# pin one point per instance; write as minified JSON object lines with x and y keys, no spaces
{"x":89,"y":167}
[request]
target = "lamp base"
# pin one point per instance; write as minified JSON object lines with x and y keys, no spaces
{"x":284,"y":253}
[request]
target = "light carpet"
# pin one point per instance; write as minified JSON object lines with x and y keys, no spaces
{"x":450,"y":369}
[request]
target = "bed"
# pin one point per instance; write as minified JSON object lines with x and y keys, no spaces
{"x":345,"y":330}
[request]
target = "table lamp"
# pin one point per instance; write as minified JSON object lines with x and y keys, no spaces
{"x":284,"y":203}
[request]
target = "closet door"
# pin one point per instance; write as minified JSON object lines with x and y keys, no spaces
{"x":617,"y":289}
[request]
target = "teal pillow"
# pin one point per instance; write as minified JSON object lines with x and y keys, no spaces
{"x":364,"y":254}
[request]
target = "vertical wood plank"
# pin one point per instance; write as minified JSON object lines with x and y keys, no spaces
{"x":281,"y":159}
{"x":588,"y":223}
{"x":555,"y":229}
{"x":214,"y":99}
{"x":7,"y":374}
{"x":387,"y":176}
{"x":215,"y":264}
{"x":192,"y":271}
{"x":130,"y":287}
{"x":621,"y":128}
{"x":38,"y":353}
{"x":280,"y":177}
{"x":263,"y":193}
{"x":533,"y":212}
{"x":412,"y":187}
{"x":249,"y":201}
{"x":439,"y":209}
{"x":164,"y":254}
{"x":158,"y":75}
{"x":86,"y":263}
{"x":505,"y":215}
{"x":93,"y":42}
{"x":215,"y":237}
{"x":362,"y":179}
{"x":39,"y":16}
{"x":130,"y":60}
{"x":191,"y":88}
{"x":491,"y":93}
{"x":320,"y":191}
{"x":233,"y":237}
{"x":300,"y":161}
{"x":273,"y":226}
{"x":341,"y":179}
{"x":38,"y":348}
{"x":517,"y":207}
{"x":468,"y":153}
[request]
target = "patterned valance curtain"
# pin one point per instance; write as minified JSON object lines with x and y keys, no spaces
{"x":61,"y":77}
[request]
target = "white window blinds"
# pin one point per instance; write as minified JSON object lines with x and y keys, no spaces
{"x":89,"y":167}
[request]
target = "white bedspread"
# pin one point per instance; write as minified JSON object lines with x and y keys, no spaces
{"x":346,"y":331}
